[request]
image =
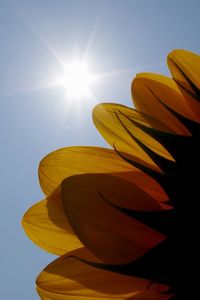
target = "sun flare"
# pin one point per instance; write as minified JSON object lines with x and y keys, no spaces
{"x":77,"y":80}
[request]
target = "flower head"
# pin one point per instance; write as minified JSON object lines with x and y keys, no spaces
{"x":117,"y":218}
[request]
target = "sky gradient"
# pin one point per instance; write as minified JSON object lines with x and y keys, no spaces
{"x":119,"y":38}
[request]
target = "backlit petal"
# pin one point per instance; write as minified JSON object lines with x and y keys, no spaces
{"x":109,"y":234}
{"x":185,"y":68}
{"x":69,"y":278}
{"x":65,"y":162}
{"x":46,"y":224}
{"x":151,"y":92}
{"x":114,"y":123}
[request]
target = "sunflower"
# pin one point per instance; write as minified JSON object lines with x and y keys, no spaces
{"x":117,"y":218}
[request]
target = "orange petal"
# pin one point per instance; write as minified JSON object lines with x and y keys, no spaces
{"x":46,"y":224}
{"x":109,"y":234}
{"x":114,"y":123}
{"x":65,"y":162}
{"x":69,"y":278}
{"x":149,"y":89}
{"x":185,"y":68}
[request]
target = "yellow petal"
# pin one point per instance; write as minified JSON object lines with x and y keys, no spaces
{"x":113,"y":122}
{"x":149,"y":89}
{"x":108,"y":233}
{"x":46,"y":225}
{"x":65,"y":162}
{"x":185,"y":68}
{"x":69,"y":278}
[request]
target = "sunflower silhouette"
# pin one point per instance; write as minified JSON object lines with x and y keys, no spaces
{"x":118,"y":217}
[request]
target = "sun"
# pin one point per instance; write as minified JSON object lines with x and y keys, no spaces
{"x":77,"y":80}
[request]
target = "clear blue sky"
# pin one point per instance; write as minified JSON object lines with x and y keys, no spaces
{"x":128,"y":35}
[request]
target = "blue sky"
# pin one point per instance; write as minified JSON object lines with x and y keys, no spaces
{"x":121,"y":38}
